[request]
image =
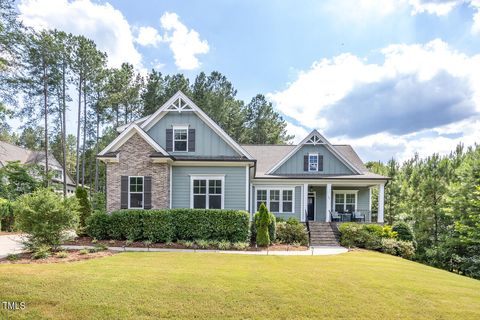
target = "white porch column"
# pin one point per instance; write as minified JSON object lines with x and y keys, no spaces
{"x":305,"y":203}
{"x":328,"y":202}
{"x":381,"y":199}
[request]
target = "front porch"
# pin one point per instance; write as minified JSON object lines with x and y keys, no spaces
{"x":341,"y":203}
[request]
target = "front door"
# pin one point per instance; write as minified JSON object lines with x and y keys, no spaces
{"x":311,"y":208}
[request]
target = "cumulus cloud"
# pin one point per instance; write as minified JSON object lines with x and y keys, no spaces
{"x":476,"y":17}
{"x":184,"y":43}
{"x":100,"y":22}
{"x":148,"y":36}
{"x":437,"y":7}
{"x":415,"y":88}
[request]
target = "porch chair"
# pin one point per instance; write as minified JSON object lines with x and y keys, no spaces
{"x":335,"y":217}
{"x":358,"y":216}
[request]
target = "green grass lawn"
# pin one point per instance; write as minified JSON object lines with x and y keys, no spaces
{"x":359,"y":285}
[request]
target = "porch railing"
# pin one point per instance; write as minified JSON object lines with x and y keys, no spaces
{"x":359,"y":215}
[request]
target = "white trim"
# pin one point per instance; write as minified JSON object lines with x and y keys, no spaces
{"x":247,"y":180}
{"x":370,"y":199}
{"x":314,"y":204}
{"x":305,"y":203}
{"x":207,"y":178}
{"x":143,"y":192}
{"x":328,"y":202}
{"x":321,"y":182}
{"x":312,"y":155}
{"x":125,"y":126}
{"x":171,"y":187}
{"x":327,"y":145}
{"x":179,"y":127}
{"x":127,"y":134}
{"x":280,"y":189}
{"x":155,"y":117}
{"x":345,"y":192}
{"x":381,"y":200}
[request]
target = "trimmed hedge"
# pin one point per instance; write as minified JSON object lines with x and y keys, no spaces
{"x":171,"y":225}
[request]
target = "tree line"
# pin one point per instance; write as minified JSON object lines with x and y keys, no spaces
{"x":45,"y":74}
{"x":439,"y":196}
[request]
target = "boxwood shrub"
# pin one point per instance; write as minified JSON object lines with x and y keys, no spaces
{"x":172,"y":225}
{"x":98,"y":225}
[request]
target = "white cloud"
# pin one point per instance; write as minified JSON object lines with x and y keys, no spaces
{"x":476,"y":17}
{"x":184,"y":43}
{"x":418,"y":88}
{"x":100,"y":22}
{"x":148,"y":36}
{"x":299,"y":132}
{"x":439,"y":8}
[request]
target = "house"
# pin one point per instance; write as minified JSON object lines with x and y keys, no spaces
{"x":180,"y":158}
{"x":10,"y":152}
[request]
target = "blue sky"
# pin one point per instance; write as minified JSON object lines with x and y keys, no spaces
{"x":390,"y":77}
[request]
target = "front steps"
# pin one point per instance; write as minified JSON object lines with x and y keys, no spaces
{"x":323,"y":234}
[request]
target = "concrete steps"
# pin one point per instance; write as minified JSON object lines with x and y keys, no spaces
{"x":323,"y":234}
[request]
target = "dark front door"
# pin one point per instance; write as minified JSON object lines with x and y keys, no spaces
{"x":311,"y":208}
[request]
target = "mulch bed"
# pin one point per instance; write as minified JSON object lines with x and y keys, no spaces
{"x":87,"y":241}
{"x":73,"y":255}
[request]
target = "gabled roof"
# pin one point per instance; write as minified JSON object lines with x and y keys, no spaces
{"x":127,"y":134}
{"x":181,"y":103}
{"x":315,"y":138}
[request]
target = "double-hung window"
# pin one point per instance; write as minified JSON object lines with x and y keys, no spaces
{"x":135,"y":192}
{"x":345,"y":201}
{"x":180,"y":138}
{"x":207,"y":193}
{"x":276,"y":200}
{"x":313,"y":162}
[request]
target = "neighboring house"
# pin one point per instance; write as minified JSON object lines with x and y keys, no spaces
{"x":10,"y":152}
{"x":180,"y":158}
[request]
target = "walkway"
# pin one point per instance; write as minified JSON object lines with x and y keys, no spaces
{"x":10,"y":244}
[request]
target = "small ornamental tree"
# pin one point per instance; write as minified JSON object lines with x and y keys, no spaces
{"x":263,"y":238}
{"x":44,"y":215}
{"x":85,"y":206}
{"x":404,"y":231}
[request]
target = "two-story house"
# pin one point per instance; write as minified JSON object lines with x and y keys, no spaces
{"x":180,"y":158}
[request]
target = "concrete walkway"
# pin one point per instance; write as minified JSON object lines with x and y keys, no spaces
{"x":10,"y":244}
{"x":313,"y":251}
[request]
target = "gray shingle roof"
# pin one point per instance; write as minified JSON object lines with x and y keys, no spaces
{"x":269,"y":155}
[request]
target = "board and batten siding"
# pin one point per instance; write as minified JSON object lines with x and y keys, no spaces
{"x":297,"y":205}
{"x":234,"y":189}
{"x":331,"y":164}
{"x":207,"y":142}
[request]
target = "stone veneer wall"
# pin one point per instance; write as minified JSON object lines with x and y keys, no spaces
{"x":135,"y":161}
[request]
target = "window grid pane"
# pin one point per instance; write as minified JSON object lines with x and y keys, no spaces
{"x":204,"y":197}
{"x":313,"y":163}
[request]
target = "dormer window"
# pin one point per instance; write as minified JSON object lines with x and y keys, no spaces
{"x":313,"y":162}
{"x":180,"y":138}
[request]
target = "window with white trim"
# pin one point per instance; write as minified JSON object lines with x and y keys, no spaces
{"x":135,"y":192}
{"x":345,"y":201}
{"x":276,"y":200}
{"x":313,"y":162}
{"x":207,"y":193}
{"x":180,"y":138}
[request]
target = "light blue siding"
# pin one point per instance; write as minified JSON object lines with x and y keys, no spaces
{"x":331,"y":164}
{"x":207,"y":142}
{"x":297,"y":201}
{"x":234,"y":189}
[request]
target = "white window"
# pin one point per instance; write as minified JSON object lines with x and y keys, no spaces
{"x":57,"y":173}
{"x":345,"y":201}
{"x":313,"y":162}
{"x":180,"y":138}
{"x":207,"y":193}
{"x":277,"y":200}
{"x":135,"y":192}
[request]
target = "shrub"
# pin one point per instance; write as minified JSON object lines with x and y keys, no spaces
{"x":240,"y":245}
{"x":272,"y":229}
{"x":404,"y":231}
{"x":62,"y":254}
{"x":224,"y":245}
{"x":83,"y":251}
{"x":404,"y":249}
{"x":12,"y":257}
{"x":262,"y":223}
{"x":202,"y":244}
{"x":389,"y":246}
{"x":366,"y":236}
{"x":6,"y":215}
{"x":189,"y":244}
{"x":98,"y":225}
{"x":158,"y":226}
{"x":292,"y":231}
{"x":85,"y":208}
{"x":387,"y":232}
{"x":45,"y":215}
{"x":41,"y":252}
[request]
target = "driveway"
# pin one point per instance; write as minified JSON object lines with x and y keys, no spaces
{"x":10,"y":244}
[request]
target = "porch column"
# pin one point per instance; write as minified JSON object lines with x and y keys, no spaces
{"x":303,"y":215}
{"x":381,"y":199}
{"x":328,"y":202}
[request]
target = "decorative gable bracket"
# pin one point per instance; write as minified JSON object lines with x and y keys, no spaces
{"x":314,"y":140}
{"x":179,"y":105}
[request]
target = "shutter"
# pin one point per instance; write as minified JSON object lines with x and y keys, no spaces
{"x":191,"y":140}
{"x":305,"y":162}
{"x":124,"y":192}
{"x":320,"y":162}
{"x":169,"y":140}
{"x":147,"y":192}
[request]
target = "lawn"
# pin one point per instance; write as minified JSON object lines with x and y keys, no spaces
{"x":359,"y":285}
